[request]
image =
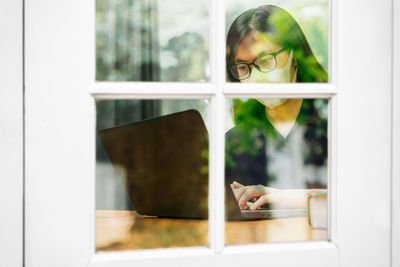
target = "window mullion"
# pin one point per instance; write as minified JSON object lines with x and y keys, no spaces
{"x":217,"y":143}
{"x":153,"y":89}
{"x":279,"y":89}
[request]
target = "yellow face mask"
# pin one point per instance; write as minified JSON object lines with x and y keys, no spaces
{"x":272,"y":102}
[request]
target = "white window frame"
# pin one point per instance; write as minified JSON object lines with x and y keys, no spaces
{"x":60,"y":199}
{"x":396,"y":138}
{"x":11,"y":134}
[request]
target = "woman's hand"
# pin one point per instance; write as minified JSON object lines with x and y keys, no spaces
{"x":261,"y":195}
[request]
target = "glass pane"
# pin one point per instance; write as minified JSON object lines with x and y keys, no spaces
{"x":151,"y":174}
{"x":276,"y":171}
{"x":294,"y":34}
{"x":152,"y":40}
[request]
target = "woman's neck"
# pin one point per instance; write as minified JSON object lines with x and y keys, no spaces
{"x":284,"y":116}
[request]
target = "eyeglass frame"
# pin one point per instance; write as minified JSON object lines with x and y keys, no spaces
{"x":274,"y":54}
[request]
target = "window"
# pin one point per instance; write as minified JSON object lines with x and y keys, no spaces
{"x":141,"y":187}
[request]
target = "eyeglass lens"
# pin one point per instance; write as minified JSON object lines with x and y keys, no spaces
{"x":264,"y":64}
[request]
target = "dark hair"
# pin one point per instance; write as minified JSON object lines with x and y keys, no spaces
{"x":282,"y":29}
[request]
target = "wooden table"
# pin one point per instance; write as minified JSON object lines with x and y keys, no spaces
{"x":126,"y":230}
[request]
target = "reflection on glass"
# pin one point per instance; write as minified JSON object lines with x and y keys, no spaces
{"x":152,"y":40}
{"x":265,"y":43}
{"x":318,"y":215}
{"x":276,"y":158}
{"x":151,"y":174}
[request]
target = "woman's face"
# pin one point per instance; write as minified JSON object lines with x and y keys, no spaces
{"x":255,"y":44}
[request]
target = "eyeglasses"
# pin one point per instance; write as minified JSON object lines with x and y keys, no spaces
{"x":264,"y":63}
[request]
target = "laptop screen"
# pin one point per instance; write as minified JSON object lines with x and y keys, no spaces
{"x":165,"y":164}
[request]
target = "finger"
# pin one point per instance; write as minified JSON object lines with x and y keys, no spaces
{"x":251,"y":204}
{"x":236,"y":194}
{"x":239,"y":192}
{"x":248,"y":206}
{"x":236,"y":184}
{"x":246,"y":196}
{"x":264,"y":199}
{"x":249,"y":193}
{"x":231,"y":185}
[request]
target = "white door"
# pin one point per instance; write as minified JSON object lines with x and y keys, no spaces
{"x":60,"y":117}
{"x":11,"y":155}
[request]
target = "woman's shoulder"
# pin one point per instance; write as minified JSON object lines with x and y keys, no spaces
{"x":313,"y":112}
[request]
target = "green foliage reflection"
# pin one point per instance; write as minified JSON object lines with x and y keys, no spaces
{"x":250,"y":118}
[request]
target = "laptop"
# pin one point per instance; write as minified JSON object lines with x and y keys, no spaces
{"x":164,"y":163}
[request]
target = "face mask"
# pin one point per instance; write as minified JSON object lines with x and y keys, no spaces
{"x":278,"y":75}
{"x":272,"y":102}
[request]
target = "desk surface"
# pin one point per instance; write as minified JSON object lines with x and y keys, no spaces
{"x":126,"y":230}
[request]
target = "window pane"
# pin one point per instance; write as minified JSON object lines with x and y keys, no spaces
{"x":276,"y":170}
{"x":151,"y":174}
{"x":152,"y":40}
{"x":295,"y":33}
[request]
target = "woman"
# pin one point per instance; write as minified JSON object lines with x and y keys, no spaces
{"x":266,"y":45}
